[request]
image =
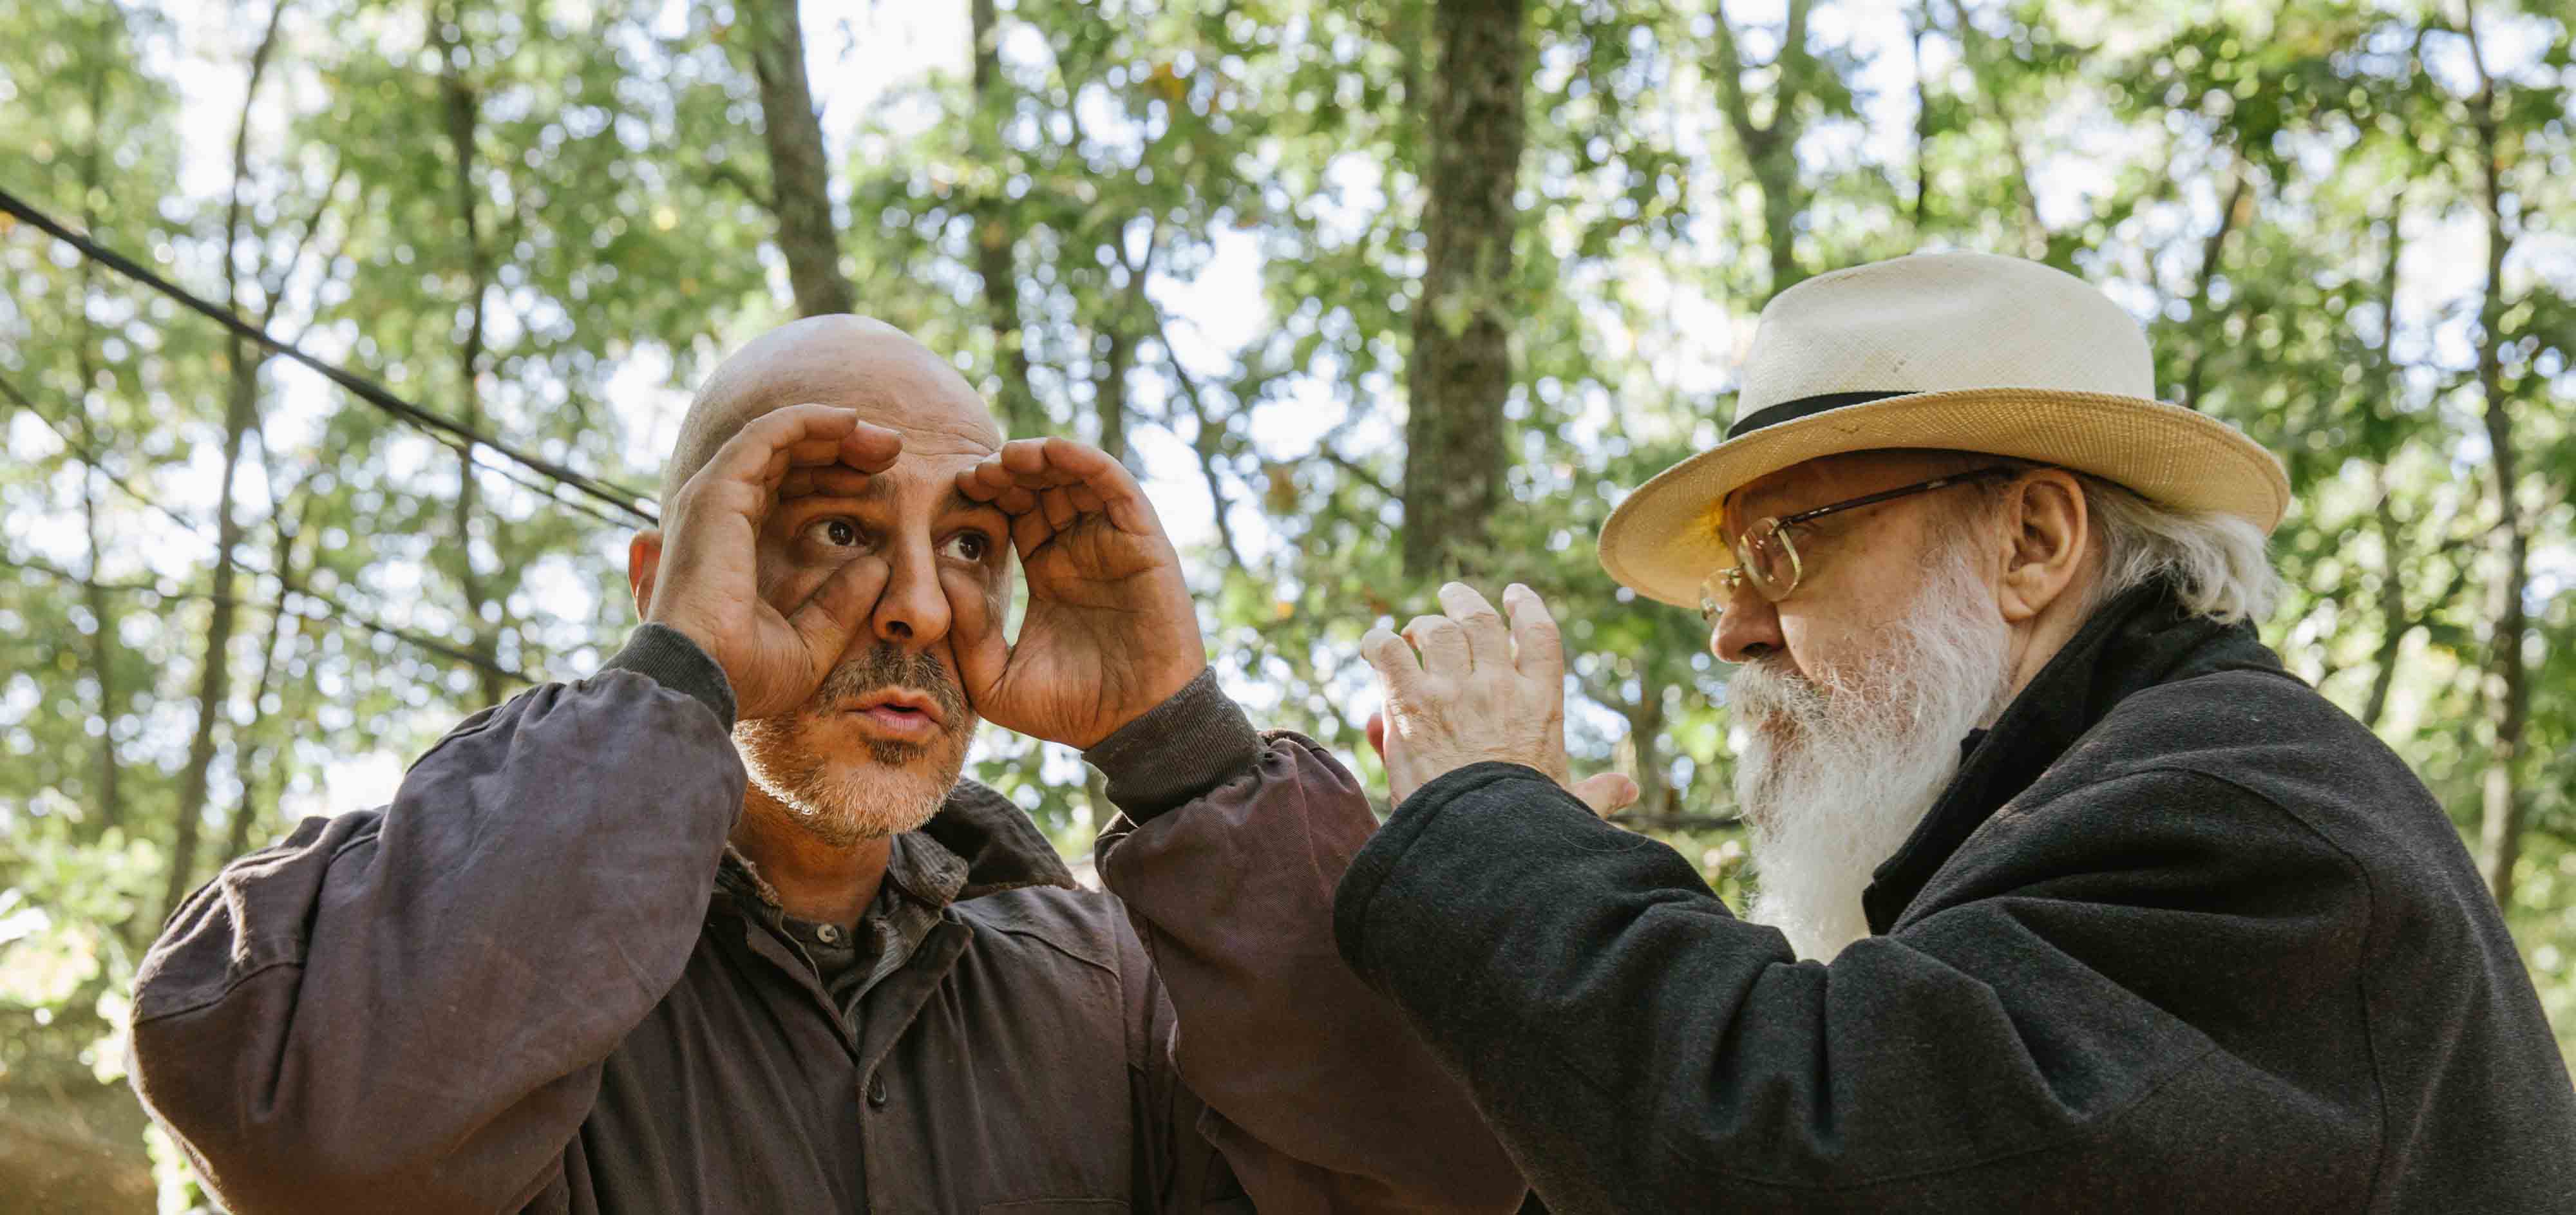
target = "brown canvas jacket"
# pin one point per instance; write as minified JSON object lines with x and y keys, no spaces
{"x":520,"y":987}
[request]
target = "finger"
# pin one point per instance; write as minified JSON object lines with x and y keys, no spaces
{"x":1607,"y":794}
{"x":835,"y":480}
{"x":1478,"y":623}
{"x":813,"y":453}
{"x":1376,"y":732}
{"x":1059,"y":508}
{"x":1029,"y":530}
{"x":1537,"y":650}
{"x":976,"y":621}
{"x":982,"y":480}
{"x":1443,"y":645}
{"x":763,"y":449}
{"x":988,"y":481}
{"x":838,"y":609}
{"x":1056,"y":462}
{"x":871,"y":448}
{"x":1395,"y":665}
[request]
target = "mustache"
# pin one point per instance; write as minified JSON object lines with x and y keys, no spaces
{"x":1769,"y":686}
{"x":885,"y":666}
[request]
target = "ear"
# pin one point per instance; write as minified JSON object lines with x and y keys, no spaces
{"x":643,"y":560}
{"x":2046,"y":545}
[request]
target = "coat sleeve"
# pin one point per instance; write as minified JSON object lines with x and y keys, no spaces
{"x":407,"y":1010}
{"x":1318,"y":1095}
{"x":2066,"y":1029}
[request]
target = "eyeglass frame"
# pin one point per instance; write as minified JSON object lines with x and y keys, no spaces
{"x":1733,"y":576}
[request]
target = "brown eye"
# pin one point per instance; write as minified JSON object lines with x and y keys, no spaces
{"x":838,"y":533}
{"x":969,"y":546}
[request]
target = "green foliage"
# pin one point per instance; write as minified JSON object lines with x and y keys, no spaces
{"x":547,"y":217}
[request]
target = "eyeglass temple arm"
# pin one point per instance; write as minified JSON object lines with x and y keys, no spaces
{"x":1888,"y":494}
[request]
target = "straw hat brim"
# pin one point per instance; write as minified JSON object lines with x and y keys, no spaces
{"x":1664,"y":539}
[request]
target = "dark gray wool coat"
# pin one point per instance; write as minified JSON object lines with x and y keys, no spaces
{"x":2180,"y":936}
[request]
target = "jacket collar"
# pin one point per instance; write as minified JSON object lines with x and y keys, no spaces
{"x":979,"y":843}
{"x":1001,"y":845}
{"x":2141,"y":638}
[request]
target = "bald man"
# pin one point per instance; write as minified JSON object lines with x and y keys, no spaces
{"x":721,"y":929}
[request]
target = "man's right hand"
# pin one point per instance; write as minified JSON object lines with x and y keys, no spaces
{"x":707,"y":583}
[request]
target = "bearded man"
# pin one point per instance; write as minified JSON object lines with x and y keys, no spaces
{"x":2075,"y":900}
{"x":720,"y":929}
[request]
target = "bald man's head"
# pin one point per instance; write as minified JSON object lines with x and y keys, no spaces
{"x":856,"y":362}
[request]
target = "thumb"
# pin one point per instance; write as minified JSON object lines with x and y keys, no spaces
{"x":838,"y":609}
{"x":1607,"y":794}
{"x":1377,"y":734}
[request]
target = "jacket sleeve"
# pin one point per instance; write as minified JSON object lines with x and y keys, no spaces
{"x":2067,"y":1028}
{"x":1318,"y":1095}
{"x":406,"y":1010}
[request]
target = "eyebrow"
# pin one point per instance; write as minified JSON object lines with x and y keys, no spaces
{"x":879,"y":489}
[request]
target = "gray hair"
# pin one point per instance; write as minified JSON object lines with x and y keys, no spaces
{"x":2220,"y":566}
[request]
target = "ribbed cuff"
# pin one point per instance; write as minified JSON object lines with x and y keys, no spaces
{"x":667,"y":657}
{"x":1179,"y":749}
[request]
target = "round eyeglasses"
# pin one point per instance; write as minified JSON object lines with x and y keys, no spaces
{"x":1766,"y":556}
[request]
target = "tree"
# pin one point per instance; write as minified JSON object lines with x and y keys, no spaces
{"x":1460,"y":368}
{"x":800,"y":182}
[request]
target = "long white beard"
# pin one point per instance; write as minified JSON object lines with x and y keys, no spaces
{"x":1866,"y":748}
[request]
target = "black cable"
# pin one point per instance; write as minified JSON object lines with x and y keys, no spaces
{"x":365,"y":390}
{"x":341,"y":617}
{"x":341,"y":613}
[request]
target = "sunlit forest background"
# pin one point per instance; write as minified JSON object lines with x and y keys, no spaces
{"x":1370,"y":291}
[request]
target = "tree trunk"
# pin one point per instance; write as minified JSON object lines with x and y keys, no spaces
{"x":2508,"y":685}
{"x":284,"y":630}
{"x":800,"y":177}
{"x":214,"y":678}
{"x":241,"y":414}
{"x":2507,"y":678}
{"x":1109,"y":390}
{"x":1771,"y":150}
{"x":1460,"y":370}
{"x":463,"y":115}
{"x":2395,"y":620}
{"x":996,"y":260}
{"x":102,"y":638}
{"x":2239,"y":198}
{"x":1641,"y":755}
{"x":1915,"y":28}
{"x":102,"y":651}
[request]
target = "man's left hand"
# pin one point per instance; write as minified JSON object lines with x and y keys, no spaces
{"x":1110,"y":630}
{"x":1480,"y":692}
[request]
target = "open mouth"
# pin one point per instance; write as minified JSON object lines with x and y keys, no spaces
{"x":900,"y":712}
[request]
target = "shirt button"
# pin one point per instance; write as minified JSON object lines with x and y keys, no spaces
{"x":876,"y":1092}
{"x":828,"y":933}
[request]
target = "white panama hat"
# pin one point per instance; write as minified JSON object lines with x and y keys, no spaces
{"x":1962,"y":351}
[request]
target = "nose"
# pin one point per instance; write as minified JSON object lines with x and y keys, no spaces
{"x":912,"y":612}
{"x":1748,"y":627}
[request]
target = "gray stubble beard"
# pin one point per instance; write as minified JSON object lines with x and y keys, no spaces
{"x":846,"y":808}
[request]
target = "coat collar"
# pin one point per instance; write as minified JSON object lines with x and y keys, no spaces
{"x":1001,"y":846}
{"x":2141,"y":638}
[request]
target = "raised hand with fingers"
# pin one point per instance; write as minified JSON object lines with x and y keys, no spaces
{"x":1110,"y":631}
{"x":705,"y":579}
{"x":1480,"y":691}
